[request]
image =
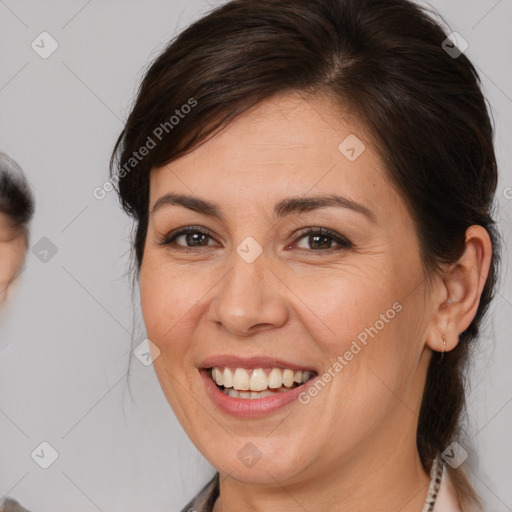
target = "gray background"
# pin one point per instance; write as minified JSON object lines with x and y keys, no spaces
{"x":65,"y":339}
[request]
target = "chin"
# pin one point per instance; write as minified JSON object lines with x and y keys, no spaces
{"x":260,"y":463}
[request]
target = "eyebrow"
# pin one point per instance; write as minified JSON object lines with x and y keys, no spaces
{"x":283,"y":208}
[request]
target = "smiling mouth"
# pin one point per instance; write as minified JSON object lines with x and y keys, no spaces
{"x":259,"y":382}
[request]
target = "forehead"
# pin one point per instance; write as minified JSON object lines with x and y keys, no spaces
{"x":286,"y":145}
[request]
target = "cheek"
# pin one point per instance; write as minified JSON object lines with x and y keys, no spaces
{"x":344,"y":303}
{"x":169,"y":298}
{"x":360,"y":322}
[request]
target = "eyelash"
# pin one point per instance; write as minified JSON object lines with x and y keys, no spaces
{"x":343,"y":242}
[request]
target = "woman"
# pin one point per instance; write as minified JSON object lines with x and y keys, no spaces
{"x":312,"y":186}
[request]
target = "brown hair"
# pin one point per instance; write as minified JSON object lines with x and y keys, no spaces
{"x":384,"y":60}
{"x":16,"y":198}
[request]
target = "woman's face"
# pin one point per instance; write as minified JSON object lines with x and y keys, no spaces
{"x":256,"y":286}
{"x":12,"y":252}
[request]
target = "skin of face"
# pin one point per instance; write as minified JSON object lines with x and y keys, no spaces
{"x":12,"y":252}
{"x":356,"y":438}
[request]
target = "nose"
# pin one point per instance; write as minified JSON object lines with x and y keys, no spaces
{"x":251,"y":298}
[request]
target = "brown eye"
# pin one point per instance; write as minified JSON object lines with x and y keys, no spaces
{"x":193,"y":239}
{"x":189,"y":238}
{"x":321,"y":239}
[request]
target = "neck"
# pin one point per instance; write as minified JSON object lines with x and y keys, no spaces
{"x":396,"y":481}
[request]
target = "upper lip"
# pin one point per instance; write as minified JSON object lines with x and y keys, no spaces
{"x":252,"y":363}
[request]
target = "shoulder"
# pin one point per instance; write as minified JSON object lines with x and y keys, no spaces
{"x":205,"y":499}
{"x":9,"y":505}
{"x":447,"y":500}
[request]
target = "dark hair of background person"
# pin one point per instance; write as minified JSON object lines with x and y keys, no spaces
{"x":381,"y":59}
{"x":16,"y":199}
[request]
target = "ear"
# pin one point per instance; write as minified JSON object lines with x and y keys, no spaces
{"x":458,"y":293}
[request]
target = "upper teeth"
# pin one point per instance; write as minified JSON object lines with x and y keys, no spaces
{"x":257,"y":379}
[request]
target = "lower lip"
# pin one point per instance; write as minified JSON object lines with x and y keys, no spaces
{"x":250,"y":408}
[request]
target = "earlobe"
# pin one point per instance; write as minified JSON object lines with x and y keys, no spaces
{"x":460,"y":291}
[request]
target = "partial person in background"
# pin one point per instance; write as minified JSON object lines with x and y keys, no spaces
{"x":16,"y":210}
